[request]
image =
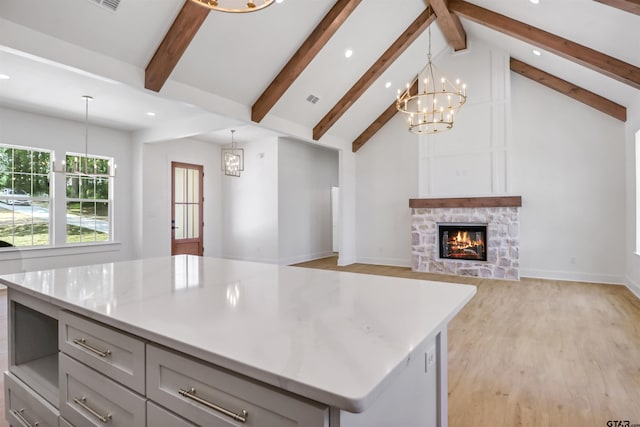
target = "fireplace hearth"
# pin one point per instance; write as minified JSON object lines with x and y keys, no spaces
{"x":462,"y":241}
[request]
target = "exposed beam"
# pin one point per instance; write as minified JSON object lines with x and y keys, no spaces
{"x":380,"y":121}
{"x":632,"y":6}
{"x":576,"y":92}
{"x":174,"y":44}
{"x":388,"y":57}
{"x":303,"y":57}
{"x":449,"y":24}
{"x":607,"y":65}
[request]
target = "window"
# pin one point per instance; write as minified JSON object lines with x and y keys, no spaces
{"x":24,"y":196}
{"x":88,"y":199}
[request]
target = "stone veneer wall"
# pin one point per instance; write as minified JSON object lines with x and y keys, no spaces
{"x":503,"y":241}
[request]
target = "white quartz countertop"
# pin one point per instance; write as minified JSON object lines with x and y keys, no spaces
{"x":337,"y":338}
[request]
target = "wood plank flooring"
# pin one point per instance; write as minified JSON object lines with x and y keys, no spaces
{"x":538,"y":352}
{"x":531,"y":353}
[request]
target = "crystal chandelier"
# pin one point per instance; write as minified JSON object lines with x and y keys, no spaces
{"x":85,"y":165}
{"x":433,"y":108}
{"x":235,"y":6}
{"x":232,"y":158}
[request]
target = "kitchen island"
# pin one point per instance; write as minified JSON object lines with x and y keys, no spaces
{"x":184,"y":341}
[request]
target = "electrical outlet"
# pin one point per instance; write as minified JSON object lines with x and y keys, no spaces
{"x":429,"y":359}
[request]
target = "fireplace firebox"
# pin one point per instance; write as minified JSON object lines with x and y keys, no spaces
{"x":462,"y":241}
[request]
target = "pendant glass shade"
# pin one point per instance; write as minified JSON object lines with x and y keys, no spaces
{"x":232,"y":159}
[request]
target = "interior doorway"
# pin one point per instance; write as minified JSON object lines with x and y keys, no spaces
{"x":186,"y":209}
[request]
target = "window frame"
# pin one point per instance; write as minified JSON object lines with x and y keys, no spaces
{"x":70,"y":174}
{"x":30,"y":199}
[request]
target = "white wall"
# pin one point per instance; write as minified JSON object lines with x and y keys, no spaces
{"x":471,"y":158}
{"x":632,"y":258}
{"x":250,"y":205}
{"x":567,"y":165}
{"x":35,"y":130}
{"x":156,"y":194}
{"x":306,"y":174}
{"x":513,"y":137}
{"x":386,"y":178}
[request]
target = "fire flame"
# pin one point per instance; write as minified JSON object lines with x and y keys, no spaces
{"x":463,"y":240}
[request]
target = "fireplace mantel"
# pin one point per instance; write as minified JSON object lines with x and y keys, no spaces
{"x":467,"y":202}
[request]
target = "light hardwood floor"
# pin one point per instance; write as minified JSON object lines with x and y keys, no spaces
{"x":530,"y":353}
{"x":538,"y":352}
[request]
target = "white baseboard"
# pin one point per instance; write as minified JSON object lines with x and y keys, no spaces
{"x":344,"y":261}
{"x":633,"y":287}
{"x":305,"y":258}
{"x":393,"y":262}
{"x":573,"y":276}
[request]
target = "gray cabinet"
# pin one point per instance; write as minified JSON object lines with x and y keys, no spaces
{"x":210,"y":396}
{"x":117,"y":355}
{"x":24,"y":407}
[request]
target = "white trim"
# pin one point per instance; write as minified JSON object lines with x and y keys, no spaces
{"x":343,"y":261}
{"x":304,"y":258}
{"x":633,"y":287}
{"x":573,"y":276}
{"x":392,"y":262}
{"x":13,"y":253}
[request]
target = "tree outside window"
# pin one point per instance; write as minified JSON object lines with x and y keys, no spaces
{"x":88,"y":203}
{"x":24,"y":196}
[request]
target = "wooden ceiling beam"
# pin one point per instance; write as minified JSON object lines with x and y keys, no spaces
{"x":450,"y":25}
{"x":569,"y":89}
{"x":380,"y":66}
{"x":597,"y":61}
{"x":174,"y":44}
{"x":303,"y":57}
{"x":380,"y":121}
{"x":632,"y":6}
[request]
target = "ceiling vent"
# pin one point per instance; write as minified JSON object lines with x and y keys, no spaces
{"x":312,"y":98}
{"x":111,"y":5}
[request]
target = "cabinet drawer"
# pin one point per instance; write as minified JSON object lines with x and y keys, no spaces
{"x":88,"y":398}
{"x":63,"y":423}
{"x":160,"y":417}
{"x":192,"y":388}
{"x":115,"y":354}
{"x":26,"y":408}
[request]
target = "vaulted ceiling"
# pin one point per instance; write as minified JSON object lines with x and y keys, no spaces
{"x":204,"y":71}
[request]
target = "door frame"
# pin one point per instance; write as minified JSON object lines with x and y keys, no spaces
{"x":200,"y":239}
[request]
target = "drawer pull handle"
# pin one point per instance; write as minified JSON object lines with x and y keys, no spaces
{"x":82,"y":342}
{"x":23,"y":420}
{"x":191,"y":394}
{"x":82,"y":403}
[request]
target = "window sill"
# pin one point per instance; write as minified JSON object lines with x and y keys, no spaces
{"x":7,"y":254}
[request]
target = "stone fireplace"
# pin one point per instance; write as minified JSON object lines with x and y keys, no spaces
{"x":477,"y":236}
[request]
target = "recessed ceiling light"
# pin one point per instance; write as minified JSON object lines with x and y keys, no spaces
{"x":4,"y":77}
{"x":535,"y":1}
{"x":279,"y":1}
{"x":536,"y":52}
{"x":387,"y":85}
{"x":348,"y":53}
{"x":151,"y":114}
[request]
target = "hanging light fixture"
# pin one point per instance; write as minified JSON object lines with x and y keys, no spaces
{"x":84,"y":165}
{"x":232,"y":158}
{"x":432,"y":109}
{"x":235,"y":6}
